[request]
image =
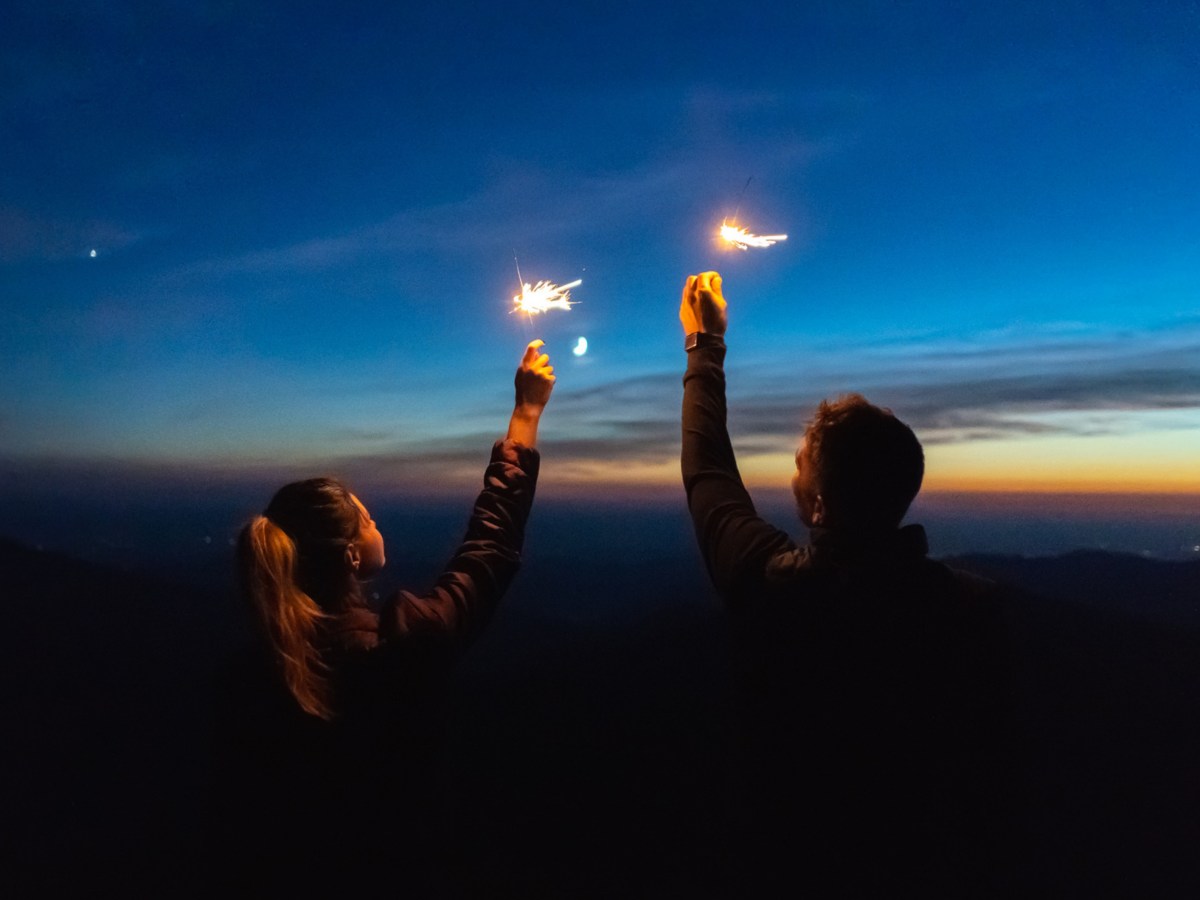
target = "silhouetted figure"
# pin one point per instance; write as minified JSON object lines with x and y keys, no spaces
{"x":329,"y":763}
{"x":873,"y":687}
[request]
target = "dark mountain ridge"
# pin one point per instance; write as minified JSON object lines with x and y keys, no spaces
{"x":1164,"y":591}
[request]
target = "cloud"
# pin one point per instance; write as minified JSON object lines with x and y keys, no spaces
{"x":990,"y":391}
{"x":499,"y":217}
{"x":629,"y":428}
{"x":528,"y":206}
{"x":25,"y":236}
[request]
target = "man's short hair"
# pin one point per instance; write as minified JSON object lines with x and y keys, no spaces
{"x":868,"y":464}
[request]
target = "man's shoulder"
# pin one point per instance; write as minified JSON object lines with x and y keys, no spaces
{"x":798,"y":569}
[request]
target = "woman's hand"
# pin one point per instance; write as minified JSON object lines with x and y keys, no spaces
{"x":534,"y":383}
{"x":535,"y":377}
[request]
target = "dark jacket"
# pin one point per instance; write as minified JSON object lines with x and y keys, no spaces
{"x":307,"y":805}
{"x":872,"y":687}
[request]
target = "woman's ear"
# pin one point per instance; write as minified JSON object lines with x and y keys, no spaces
{"x":352,"y":557}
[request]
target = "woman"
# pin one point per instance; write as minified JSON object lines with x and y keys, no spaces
{"x":330,"y":731}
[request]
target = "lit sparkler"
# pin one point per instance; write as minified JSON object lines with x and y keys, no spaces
{"x":742,"y":239}
{"x":542,"y":296}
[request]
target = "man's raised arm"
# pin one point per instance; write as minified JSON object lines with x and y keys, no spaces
{"x":734,"y":541}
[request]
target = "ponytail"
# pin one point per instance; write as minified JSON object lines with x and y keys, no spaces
{"x":288,"y":616}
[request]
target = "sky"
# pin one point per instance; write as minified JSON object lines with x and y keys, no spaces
{"x":282,"y":238}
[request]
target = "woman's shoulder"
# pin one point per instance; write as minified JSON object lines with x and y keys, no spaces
{"x":352,"y":629}
{"x":410,"y":618}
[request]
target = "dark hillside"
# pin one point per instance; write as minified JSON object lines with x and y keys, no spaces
{"x":107,"y":682}
{"x":592,"y":728}
{"x":1108,"y":660}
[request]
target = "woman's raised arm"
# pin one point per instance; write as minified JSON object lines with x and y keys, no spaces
{"x":534,"y":383}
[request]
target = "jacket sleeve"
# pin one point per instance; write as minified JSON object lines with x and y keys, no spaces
{"x":467,"y":592}
{"x":735,"y":543}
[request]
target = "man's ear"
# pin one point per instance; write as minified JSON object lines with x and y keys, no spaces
{"x":818,"y":511}
{"x":352,"y":557}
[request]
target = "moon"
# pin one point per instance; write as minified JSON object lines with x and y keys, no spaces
{"x":580,"y":347}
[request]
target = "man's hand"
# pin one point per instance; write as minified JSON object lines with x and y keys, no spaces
{"x":534,"y":383}
{"x":703,"y":307}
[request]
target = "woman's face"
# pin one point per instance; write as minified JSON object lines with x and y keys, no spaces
{"x":369,"y":543}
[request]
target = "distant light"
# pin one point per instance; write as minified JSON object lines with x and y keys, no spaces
{"x":580,"y":348}
{"x":92,"y":254}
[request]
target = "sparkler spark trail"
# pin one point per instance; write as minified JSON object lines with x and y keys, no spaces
{"x":544,"y":296}
{"x":742,"y":239}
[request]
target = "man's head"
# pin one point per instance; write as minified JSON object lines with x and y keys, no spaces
{"x":858,"y":467}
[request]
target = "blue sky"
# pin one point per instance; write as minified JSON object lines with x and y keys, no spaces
{"x":304,"y":221}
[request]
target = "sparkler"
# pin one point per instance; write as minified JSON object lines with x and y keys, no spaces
{"x":544,"y":296}
{"x":742,"y":239}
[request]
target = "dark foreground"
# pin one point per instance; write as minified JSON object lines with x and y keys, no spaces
{"x":590,"y":746}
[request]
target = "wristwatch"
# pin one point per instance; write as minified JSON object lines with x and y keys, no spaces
{"x":701,"y":339}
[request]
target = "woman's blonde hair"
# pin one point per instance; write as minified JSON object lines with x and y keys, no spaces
{"x":293,"y":575}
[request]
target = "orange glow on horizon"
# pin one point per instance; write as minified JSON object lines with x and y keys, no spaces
{"x":1145,"y":463}
{"x":1013,"y":484}
{"x":1161,"y":462}
{"x":772,"y":473}
{"x":1152,"y":461}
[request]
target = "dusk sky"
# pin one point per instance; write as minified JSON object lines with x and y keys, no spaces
{"x":281,"y":237}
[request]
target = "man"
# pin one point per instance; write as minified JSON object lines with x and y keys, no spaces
{"x":872,"y":681}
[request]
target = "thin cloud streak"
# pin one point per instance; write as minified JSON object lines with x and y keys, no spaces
{"x":976,"y":405}
{"x":520,"y":208}
{"x":26,"y":237}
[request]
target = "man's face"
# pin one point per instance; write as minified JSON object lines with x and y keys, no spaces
{"x":804,"y":485}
